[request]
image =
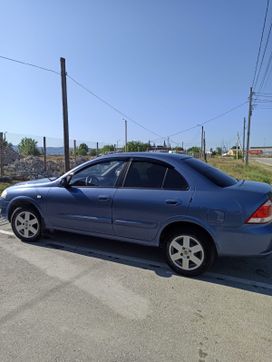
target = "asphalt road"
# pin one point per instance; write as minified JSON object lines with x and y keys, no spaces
{"x":72,"y":298}
{"x":264,"y":161}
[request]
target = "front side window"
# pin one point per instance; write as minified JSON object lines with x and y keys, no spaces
{"x":103,"y":174}
{"x":144,"y":174}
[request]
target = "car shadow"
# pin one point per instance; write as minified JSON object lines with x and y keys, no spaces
{"x":251,"y":274}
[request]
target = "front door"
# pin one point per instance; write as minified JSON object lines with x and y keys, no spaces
{"x":86,"y":204}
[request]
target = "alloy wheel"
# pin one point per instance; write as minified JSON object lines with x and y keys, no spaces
{"x":186,"y":252}
{"x":27,"y":224}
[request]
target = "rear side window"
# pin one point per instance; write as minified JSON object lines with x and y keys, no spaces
{"x":216,"y":176}
{"x":145,"y":175}
{"x":174,"y":181}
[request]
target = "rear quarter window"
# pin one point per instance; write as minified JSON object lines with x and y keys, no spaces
{"x":216,"y":176}
{"x":174,"y":181}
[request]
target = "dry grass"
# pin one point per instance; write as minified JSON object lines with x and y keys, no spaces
{"x":3,"y":185}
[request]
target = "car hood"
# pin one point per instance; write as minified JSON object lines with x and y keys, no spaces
{"x":34,"y":183}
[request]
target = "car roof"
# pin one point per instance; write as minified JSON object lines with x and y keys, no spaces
{"x":160,"y":156}
{"x":163,"y":156}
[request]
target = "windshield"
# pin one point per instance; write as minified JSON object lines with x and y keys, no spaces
{"x":216,"y":176}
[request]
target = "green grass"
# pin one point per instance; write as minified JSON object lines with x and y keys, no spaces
{"x":236,"y":168}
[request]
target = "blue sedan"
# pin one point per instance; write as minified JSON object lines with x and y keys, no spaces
{"x":193,"y":211}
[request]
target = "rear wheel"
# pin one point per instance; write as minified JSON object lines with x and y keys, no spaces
{"x":26,"y":224}
{"x":189,"y":253}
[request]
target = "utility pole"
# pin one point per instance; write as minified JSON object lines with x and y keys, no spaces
{"x":244,"y":138}
{"x":44,"y":153}
{"x":202,"y":143}
{"x":125,"y":135}
{"x":237,"y":146}
{"x":96,"y":148}
{"x":204,"y":146}
{"x":75,"y":151}
{"x":249,"y":123}
{"x":65,"y":115}
{"x":1,"y":154}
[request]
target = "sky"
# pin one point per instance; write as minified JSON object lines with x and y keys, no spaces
{"x":167,"y":64}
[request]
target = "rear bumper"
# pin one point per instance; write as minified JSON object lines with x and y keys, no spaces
{"x":249,"y":240}
{"x":3,"y":208}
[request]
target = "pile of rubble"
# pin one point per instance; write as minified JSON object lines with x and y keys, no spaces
{"x":32,"y":167}
{"x":10,"y":155}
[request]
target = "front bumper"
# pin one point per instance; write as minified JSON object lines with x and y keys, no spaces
{"x":3,"y":208}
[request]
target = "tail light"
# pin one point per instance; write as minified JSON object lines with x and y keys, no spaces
{"x":262,"y":215}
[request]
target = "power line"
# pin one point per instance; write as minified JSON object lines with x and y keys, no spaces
{"x":211,"y":119}
{"x":264,"y":52}
{"x":266,"y":72}
{"x":30,"y":64}
{"x":83,"y":87}
{"x":261,"y":40}
{"x":263,"y":94}
{"x":264,"y":108}
{"x":113,"y":107}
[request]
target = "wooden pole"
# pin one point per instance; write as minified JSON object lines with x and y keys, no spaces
{"x":249,"y":124}
{"x":65,"y":115}
{"x":75,"y":150}
{"x":125,"y":135}
{"x":1,"y":154}
{"x":44,"y":153}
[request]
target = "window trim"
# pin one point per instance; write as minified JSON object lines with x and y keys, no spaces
{"x":151,"y":160}
{"x":116,"y":185}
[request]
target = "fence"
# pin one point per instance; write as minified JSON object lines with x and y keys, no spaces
{"x":28,"y":156}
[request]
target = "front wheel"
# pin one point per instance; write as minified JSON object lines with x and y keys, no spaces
{"x":189,"y":253}
{"x":26,"y":224}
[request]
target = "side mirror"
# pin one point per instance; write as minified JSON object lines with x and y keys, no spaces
{"x":65,"y":181}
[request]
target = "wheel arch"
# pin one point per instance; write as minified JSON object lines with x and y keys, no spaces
{"x":179,"y":225}
{"x":21,"y":203}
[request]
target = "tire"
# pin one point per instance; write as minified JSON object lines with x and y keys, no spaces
{"x":26,"y":224}
{"x":189,"y":253}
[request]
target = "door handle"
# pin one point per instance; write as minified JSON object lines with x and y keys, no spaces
{"x":172,"y":202}
{"x":103,"y":198}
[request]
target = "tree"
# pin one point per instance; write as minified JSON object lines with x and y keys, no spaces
{"x":137,"y":146}
{"x":193,"y":150}
{"x":83,"y":149}
{"x":28,"y":147}
{"x":218,"y":150}
{"x":107,"y":148}
{"x":92,"y":152}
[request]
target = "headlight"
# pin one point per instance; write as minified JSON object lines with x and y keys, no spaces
{"x":4,"y":194}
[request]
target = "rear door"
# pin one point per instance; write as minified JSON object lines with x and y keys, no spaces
{"x":152,"y":192}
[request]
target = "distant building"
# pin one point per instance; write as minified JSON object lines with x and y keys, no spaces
{"x":234,"y":151}
{"x":261,"y":151}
